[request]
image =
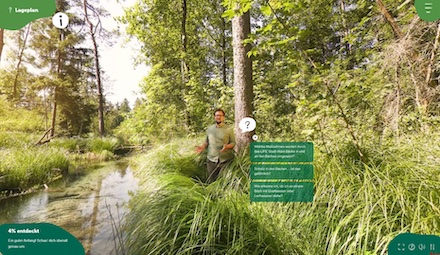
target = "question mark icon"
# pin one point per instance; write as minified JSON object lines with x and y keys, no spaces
{"x":247,"y":124}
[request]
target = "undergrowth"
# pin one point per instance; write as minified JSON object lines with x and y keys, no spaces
{"x":357,"y":208}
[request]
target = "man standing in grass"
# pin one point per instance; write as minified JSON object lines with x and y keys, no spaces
{"x":220,"y":141}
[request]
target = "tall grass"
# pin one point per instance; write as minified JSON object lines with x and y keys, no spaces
{"x":23,"y":165}
{"x":9,"y":139}
{"x":21,"y":120}
{"x":358,"y":208}
{"x":92,"y":148}
{"x":93,"y":144}
{"x":22,"y":168}
{"x":178,"y":214}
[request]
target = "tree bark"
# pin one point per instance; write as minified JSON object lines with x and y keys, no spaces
{"x":55,"y":91}
{"x":243,"y":87}
{"x":346,"y":31}
{"x":2,"y":42}
{"x":20,"y":60}
{"x":54,"y":113}
{"x":432,"y":58}
{"x":224,"y":60}
{"x":92,"y":32}
{"x":398,"y":33}
{"x":184,"y":67}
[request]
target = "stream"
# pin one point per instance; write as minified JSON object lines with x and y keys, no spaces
{"x":90,"y":206}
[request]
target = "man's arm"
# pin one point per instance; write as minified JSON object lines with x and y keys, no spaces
{"x":202,"y":147}
{"x":231,"y":143}
{"x":227,"y":147}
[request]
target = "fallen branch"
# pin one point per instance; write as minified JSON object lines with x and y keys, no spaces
{"x":40,"y":141}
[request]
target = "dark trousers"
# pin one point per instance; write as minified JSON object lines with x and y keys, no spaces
{"x":214,"y":169}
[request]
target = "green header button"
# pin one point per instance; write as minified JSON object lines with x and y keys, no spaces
{"x":428,"y":10}
{"x":17,"y":14}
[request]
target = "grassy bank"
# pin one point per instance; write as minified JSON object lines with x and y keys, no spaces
{"x":93,"y":148}
{"x":358,"y":208}
{"x":21,"y":169}
{"x":24,"y":165}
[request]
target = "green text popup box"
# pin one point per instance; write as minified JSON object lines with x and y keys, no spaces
{"x":38,"y":238}
{"x":281,"y":191}
{"x":282,"y":172}
{"x":15,"y":14}
{"x":282,"y":152}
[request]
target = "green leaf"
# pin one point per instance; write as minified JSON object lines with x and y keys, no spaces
{"x":267,"y":28}
{"x":266,"y":10}
{"x":307,"y":132}
{"x":252,"y":52}
{"x":228,"y":14}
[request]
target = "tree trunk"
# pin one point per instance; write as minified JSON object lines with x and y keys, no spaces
{"x":92,"y":31}
{"x":2,"y":31}
{"x":184,"y":69}
{"x":20,"y":60}
{"x":100,"y":92}
{"x":54,"y":113}
{"x":432,"y":58}
{"x":398,"y":33}
{"x":224,"y":61}
{"x":243,"y":87}
{"x":346,"y":30}
{"x":55,"y":91}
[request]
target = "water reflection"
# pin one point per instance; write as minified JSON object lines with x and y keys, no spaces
{"x":90,"y":208}
{"x":24,"y":207}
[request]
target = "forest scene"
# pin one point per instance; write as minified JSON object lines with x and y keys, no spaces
{"x":357,"y":78}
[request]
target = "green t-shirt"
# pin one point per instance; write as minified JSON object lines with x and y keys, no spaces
{"x":216,"y":137}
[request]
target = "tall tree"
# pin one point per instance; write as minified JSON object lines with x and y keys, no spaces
{"x":56,"y":88}
{"x":60,"y":54}
{"x":93,"y":30}
{"x":243,"y":86}
{"x":22,"y":47}
{"x":184,"y":42}
{"x":17,"y":69}
{"x":2,"y":42}
{"x":187,"y":43}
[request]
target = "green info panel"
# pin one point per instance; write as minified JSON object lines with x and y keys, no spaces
{"x":37,"y":238}
{"x":282,"y":192}
{"x":282,"y":172}
{"x":281,"y":152}
{"x":15,"y":14}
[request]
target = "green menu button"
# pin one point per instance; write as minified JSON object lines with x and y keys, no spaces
{"x":17,"y":14}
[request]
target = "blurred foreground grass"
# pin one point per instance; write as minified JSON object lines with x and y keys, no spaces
{"x":358,"y":208}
